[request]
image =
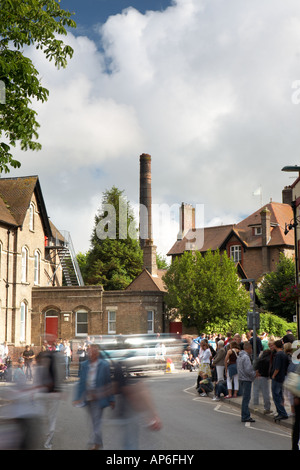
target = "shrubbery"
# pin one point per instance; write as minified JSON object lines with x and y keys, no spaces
{"x":272,"y":324}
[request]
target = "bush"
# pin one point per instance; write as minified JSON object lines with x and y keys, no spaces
{"x":270,"y":323}
{"x":275,"y":325}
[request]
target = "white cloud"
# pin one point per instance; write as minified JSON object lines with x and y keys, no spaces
{"x":205,"y":87}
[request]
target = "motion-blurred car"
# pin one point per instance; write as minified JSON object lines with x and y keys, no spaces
{"x":141,"y":353}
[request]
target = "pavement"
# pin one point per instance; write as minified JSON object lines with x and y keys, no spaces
{"x":255,"y":409}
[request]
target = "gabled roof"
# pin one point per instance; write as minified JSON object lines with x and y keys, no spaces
{"x":146,"y":282}
{"x":280,"y":214}
{"x":204,"y":239}
{"x":214,"y":238}
{"x":15,"y":197}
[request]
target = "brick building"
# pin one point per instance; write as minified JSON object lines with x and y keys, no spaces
{"x":25,"y":260}
{"x":75,"y":312}
{"x":254,"y":244}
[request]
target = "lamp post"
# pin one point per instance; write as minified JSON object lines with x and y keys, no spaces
{"x":253,"y":316}
{"x":294,"y":224}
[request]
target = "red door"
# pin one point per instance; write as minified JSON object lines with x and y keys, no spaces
{"x":51,"y":327}
{"x":175,"y":327}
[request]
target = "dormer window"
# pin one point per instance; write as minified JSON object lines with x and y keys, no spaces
{"x":257,"y":230}
{"x":236,"y":253}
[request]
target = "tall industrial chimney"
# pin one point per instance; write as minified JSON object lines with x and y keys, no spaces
{"x":146,"y":241}
{"x":145,"y":199}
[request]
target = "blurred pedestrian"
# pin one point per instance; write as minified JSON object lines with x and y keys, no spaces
{"x":133,"y":402}
{"x":94,"y":390}
{"x":49,"y":380}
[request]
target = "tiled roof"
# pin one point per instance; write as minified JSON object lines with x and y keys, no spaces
{"x":280,"y":214}
{"x":146,"y":282}
{"x":16,"y":194}
{"x":203,"y":239}
{"x":214,"y":237}
{"x":15,"y":197}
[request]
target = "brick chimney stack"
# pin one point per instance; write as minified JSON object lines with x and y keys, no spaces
{"x":265,"y":226}
{"x":186,"y":219}
{"x":146,"y":241}
{"x":266,"y":236}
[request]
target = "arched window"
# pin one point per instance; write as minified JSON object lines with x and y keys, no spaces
{"x":37,"y":260}
{"x":24,"y":264}
{"x":23,"y":316}
{"x":0,"y":258}
{"x":31,"y":216}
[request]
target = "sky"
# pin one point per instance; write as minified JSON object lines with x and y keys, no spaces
{"x":208,"y":88}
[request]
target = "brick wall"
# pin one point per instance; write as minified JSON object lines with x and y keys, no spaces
{"x":131,"y":310}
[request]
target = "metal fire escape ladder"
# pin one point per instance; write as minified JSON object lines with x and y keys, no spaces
{"x":67,"y":259}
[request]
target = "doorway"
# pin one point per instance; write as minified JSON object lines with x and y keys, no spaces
{"x":51,"y":326}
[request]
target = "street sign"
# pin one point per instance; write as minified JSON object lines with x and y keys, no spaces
{"x":253,"y":320}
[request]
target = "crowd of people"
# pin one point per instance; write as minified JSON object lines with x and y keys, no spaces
{"x":37,"y":390}
{"x":227,"y":368}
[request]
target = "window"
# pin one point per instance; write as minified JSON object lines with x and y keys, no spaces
{"x":81,"y":323}
{"x":31,"y":216}
{"x":37,"y":258}
{"x":150,"y":321}
{"x":23,"y":316}
{"x":111,"y":321}
{"x":236,"y":253}
{"x":257,"y":230}
{"x":24,"y":264}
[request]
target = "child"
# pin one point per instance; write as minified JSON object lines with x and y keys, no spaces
{"x":205,"y":385}
{"x":184,"y":360}
{"x":191,"y":362}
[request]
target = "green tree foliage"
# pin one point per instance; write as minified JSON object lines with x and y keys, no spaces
{"x":275,"y":325}
{"x":270,"y":323}
{"x":205,"y":289}
{"x":23,"y":24}
{"x":161,"y":261}
{"x":115,"y":257}
{"x":273,"y":283}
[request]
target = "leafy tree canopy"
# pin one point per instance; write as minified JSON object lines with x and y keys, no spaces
{"x":205,"y":288}
{"x":26,"y":23}
{"x":273,"y":283}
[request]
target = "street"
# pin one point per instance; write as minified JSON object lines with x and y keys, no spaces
{"x":190,"y":422}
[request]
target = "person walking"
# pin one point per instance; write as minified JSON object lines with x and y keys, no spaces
{"x":94,"y":390}
{"x":246,"y":375}
{"x":280,"y":366}
{"x":48,"y":380}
